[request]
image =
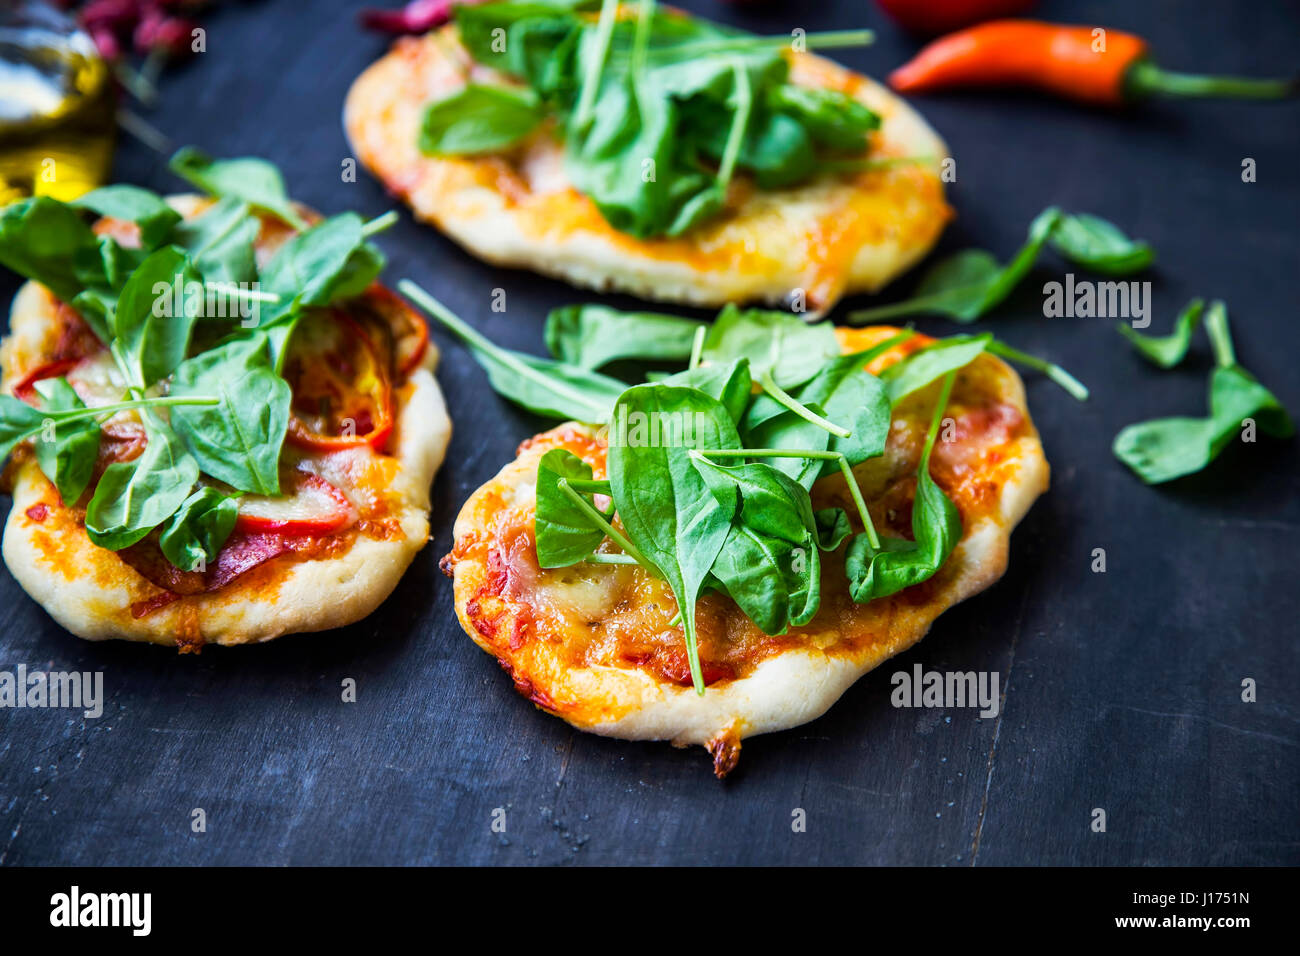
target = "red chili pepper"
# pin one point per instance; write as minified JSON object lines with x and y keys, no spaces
{"x":1094,"y":65}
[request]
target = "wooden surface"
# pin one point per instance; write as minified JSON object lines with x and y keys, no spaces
{"x":1122,"y":690}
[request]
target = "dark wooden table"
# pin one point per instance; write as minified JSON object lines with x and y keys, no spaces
{"x":1122,"y":690}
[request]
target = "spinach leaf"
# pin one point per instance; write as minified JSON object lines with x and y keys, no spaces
{"x":777,"y":342}
{"x":1166,"y":351}
{"x":479,"y":119}
{"x":326,"y":263}
{"x":594,"y":335}
{"x":728,"y":383}
{"x":146,"y":209}
{"x":1099,"y":245}
{"x":251,"y":180}
{"x":18,"y":422}
{"x":220,"y":241}
{"x":931,"y":363}
{"x":1163,"y":449}
{"x":832,"y":527}
{"x":68,"y":456}
{"x":151,"y":334}
{"x":663,"y":502}
{"x":832,"y":118}
{"x":237,"y":441}
{"x":565,"y":532}
{"x":193,"y":536}
{"x":42,"y":239}
{"x":134,"y":497}
{"x":545,"y":387}
{"x":936,"y":528}
{"x":769,"y":563}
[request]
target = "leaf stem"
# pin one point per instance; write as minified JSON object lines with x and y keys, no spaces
{"x":472,"y":338}
{"x":591,"y":81}
{"x":803,"y":411}
{"x":1053,"y":371}
{"x":936,"y":418}
{"x":697,"y":347}
{"x":602,"y":522}
{"x":824,"y":40}
{"x":601,"y":557}
{"x":1216,"y":324}
{"x":379,"y":224}
{"x":235,"y":292}
{"x":743,"y":95}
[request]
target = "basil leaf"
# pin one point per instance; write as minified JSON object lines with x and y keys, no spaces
{"x":932,"y":362}
{"x":594,"y":335}
{"x":220,"y":241}
{"x":832,"y":527}
{"x":777,"y":342}
{"x":543,"y":386}
{"x":134,"y":497}
{"x":146,"y":209}
{"x":769,"y":563}
{"x":664,"y":504}
{"x":936,"y":528}
{"x":68,"y":458}
{"x":18,"y":421}
{"x":1099,"y":245}
{"x":479,"y":119}
{"x":1166,"y":351}
{"x":251,"y":180}
{"x":565,"y":533}
{"x":151,"y":332}
{"x":238,"y":440}
{"x":42,"y":239}
{"x":193,"y":536}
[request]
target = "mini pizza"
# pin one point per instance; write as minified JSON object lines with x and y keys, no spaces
{"x":485,"y":129}
{"x":951,"y":467}
{"x":290,"y":497}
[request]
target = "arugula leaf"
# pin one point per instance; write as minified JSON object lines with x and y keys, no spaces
{"x":146,"y":209}
{"x":237,"y":441}
{"x":549,"y":388}
{"x":1166,"y":351}
{"x":1163,"y":449}
{"x":134,"y":497}
{"x":936,"y":528}
{"x":1100,"y":245}
{"x":591,"y":336}
{"x":193,"y":536}
{"x":479,"y":119}
{"x":664,"y":504}
{"x":148,"y":337}
{"x":565,"y":533}
{"x":220,"y":241}
{"x":43,"y":239}
{"x":251,"y":180}
{"x":777,"y":342}
{"x":68,"y":458}
{"x":831,"y":118}
{"x":769,"y":563}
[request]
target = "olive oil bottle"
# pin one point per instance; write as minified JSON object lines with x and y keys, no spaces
{"x":56,"y":105}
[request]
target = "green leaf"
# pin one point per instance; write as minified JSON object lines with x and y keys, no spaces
{"x":832,"y":527}
{"x":932,"y":362}
{"x":591,"y":336}
{"x":1099,"y":245}
{"x":769,"y":563}
{"x":134,"y":497}
{"x":146,"y":209}
{"x":193,"y":536}
{"x":220,"y":241}
{"x":1166,"y":351}
{"x":728,"y":383}
{"x":248,"y":179}
{"x":565,"y":532}
{"x":831,"y":118}
{"x":791,"y":349}
{"x":42,"y":239}
{"x":68,"y":457}
{"x":152,"y":334}
{"x":327,"y":263}
{"x":238,"y":440}
{"x":936,"y":528}
{"x":665,"y":506}
{"x":18,"y":422}
{"x":479,"y":119}
{"x":543,"y":386}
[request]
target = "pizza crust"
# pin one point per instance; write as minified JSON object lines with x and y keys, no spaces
{"x":784,"y":689}
{"x":90,"y":591}
{"x":829,"y":237}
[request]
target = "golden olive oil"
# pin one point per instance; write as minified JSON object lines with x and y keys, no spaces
{"x":56,"y":106}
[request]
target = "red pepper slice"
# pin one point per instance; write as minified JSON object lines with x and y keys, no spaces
{"x":25,"y":389}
